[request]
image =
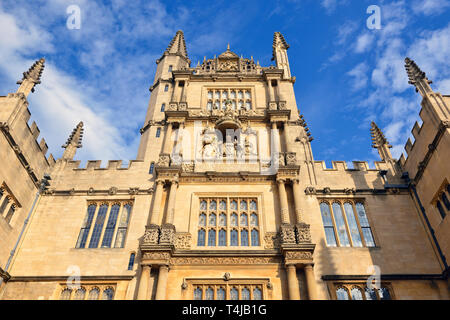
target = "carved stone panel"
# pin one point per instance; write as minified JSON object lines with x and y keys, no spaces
{"x":183,"y":240}
{"x":151,"y":235}
{"x":303,"y":233}
{"x":287,"y":234}
{"x":271,"y":240}
{"x":167,"y":234}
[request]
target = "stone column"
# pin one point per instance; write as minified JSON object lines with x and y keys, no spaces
{"x":271,"y":91}
{"x":283,"y":201}
{"x":294,"y":289}
{"x":311,"y":282}
{"x":286,"y":138}
{"x":154,"y":213}
{"x":275,"y":143}
{"x":162,"y":283}
{"x":167,"y":139}
{"x":297,"y":201}
{"x":171,"y":203}
{"x":174,"y":91}
{"x":144,"y":282}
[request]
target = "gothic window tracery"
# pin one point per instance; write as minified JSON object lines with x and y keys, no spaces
{"x":242,"y":229}
{"x":359,"y":291}
{"x":88,"y":292}
{"x":228,"y":291}
{"x":238,"y":98}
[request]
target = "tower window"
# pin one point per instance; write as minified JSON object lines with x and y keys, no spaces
{"x":170,"y":68}
{"x":158,"y":132}
{"x":131,"y":261}
{"x":152,"y":167}
{"x":166,"y":88}
{"x":163,"y":107}
{"x":441,"y":209}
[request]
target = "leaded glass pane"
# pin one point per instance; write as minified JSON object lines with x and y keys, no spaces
{"x":213,"y":205}
{"x":223,"y":205}
{"x":198,"y":294}
{"x":254,"y":220}
{"x":233,"y":94}
{"x":65,"y":294}
{"x":257,"y":294}
{"x":244,"y":220}
{"x":234,"y":220}
{"x":201,"y":238}
{"x":234,"y":294}
{"x":95,"y":238}
{"x":363,"y":221}
{"x":120,"y":238}
{"x":340,"y":224}
{"x":222,"y":238}
{"x":110,"y":226}
{"x":234,"y":237}
{"x":330,"y":236}
{"x":353,"y":225}
{"x":244,"y":238}
{"x":342,"y":294}
{"x":220,"y":294}
{"x":80,"y":294}
{"x":441,"y":209}
{"x":326,"y":214}
{"x":131,"y":261}
{"x":202,"y":220}
{"x":255,"y":238}
{"x":445,"y":200}
{"x":108,"y":294}
{"x":384,"y":294}
{"x":81,"y":243}
{"x":233,"y":205}
{"x":212,"y":219}
{"x":94,"y":294}
{"x":253,"y":205}
{"x":223,"y":220}
{"x":356,"y":294}
{"x":245,"y":294}
{"x":247,"y":95}
{"x":370,"y":294}
{"x":210,"y":95}
{"x":240,"y":95}
{"x":203,"y":205}
{"x":368,"y":237}
{"x":211,"y":238}
{"x":243,"y":205}
{"x":209,"y":294}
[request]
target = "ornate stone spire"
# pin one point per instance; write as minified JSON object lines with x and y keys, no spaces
{"x":178,"y":45}
{"x":278,"y":41}
{"x":31,"y":78}
{"x":380,"y":142}
{"x":73,"y":142}
{"x":417,"y":77}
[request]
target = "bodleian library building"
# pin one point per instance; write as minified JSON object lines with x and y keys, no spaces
{"x":224,"y":200}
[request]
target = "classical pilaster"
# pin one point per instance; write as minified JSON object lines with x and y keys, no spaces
{"x":171,"y":203}
{"x":294,"y":289}
{"x":162,"y":282}
{"x":167,"y":139}
{"x":283,"y":201}
{"x":154,"y":213}
{"x":297,"y":201}
{"x":310,"y":282}
{"x":144,"y":282}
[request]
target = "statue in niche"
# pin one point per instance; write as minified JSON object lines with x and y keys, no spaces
{"x":209,"y":144}
{"x":248,"y":146}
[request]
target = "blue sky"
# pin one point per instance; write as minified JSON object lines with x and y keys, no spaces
{"x":347,"y":75}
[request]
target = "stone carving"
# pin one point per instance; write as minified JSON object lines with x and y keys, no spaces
{"x":133,"y":191}
{"x":298,"y":255}
{"x":327,"y":190}
{"x":272,"y":106}
{"x":349,"y":191}
{"x":291,"y":158}
{"x":164,"y":160}
{"x":228,"y":65}
{"x":72,"y":191}
{"x":183,"y":240}
{"x":184,"y":285}
{"x":151,"y":235}
{"x":310,"y":190}
{"x":173,"y":106}
{"x":91,"y":191}
{"x":223,"y":260}
{"x":227,"y":276}
{"x":182,"y":106}
{"x":210,"y":146}
{"x":157,"y":256}
{"x":271,"y":240}
{"x":188,"y":166}
{"x":303,"y":233}
{"x":282,"y":105}
{"x":167,"y":234}
{"x":287,"y":234}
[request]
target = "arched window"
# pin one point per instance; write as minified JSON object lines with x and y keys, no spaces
{"x":356,"y":294}
{"x":152,"y":167}
{"x":223,"y":220}
{"x":123,"y":226}
{"x":131,"y":261}
{"x":342,"y":294}
{"x":234,"y":294}
{"x":340,"y":225}
{"x":108,"y":294}
{"x":441,"y":209}
{"x":65,"y":294}
{"x":222,"y":238}
{"x":10,"y":213}
{"x":170,"y":68}
{"x":352,"y":225}
{"x":255,"y":238}
{"x":213,"y":205}
{"x":212,"y":220}
{"x":244,"y":238}
{"x":158,"y":132}
{"x":86,"y":226}
{"x":445,"y":200}
{"x":94,"y":294}
{"x":253,"y":205}
{"x":245,"y":294}
{"x":257,"y":294}
{"x":384,"y":294}
{"x":110,"y":226}
{"x":370,"y":294}
{"x":209,"y":294}
{"x":328,"y":224}
{"x":253,"y":220}
{"x":221,"y":294}
{"x":233,"y":205}
{"x":365,"y":226}
{"x":234,"y":220}
{"x":198,"y":294}
{"x":244,"y":220}
{"x":98,"y":226}
{"x":234,"y":237}
{"x":80,"y":294}
{"x":211,"y":238}
{"x":163,"y":107}
{"x":201,"y":238}
{"x":243,"y":205}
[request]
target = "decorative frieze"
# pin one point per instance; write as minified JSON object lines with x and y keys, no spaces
{"x":287,"y":234}
{"x":167,"y":234}
{"x":303,"y":233}
{"x":183,"y":241}
{"x":151,"y":235}
{"x":272,"y":240}
{"x":223,"y":260}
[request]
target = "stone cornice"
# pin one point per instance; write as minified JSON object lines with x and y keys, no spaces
{"x":64,"y":278}
{"x":102,"y":192}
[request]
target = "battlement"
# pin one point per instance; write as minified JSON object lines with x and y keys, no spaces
{"x":97,"y":165}
{"x":342,"y":166}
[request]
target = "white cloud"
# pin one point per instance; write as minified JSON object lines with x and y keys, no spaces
{"x":430,"y":7}
{"x":359,"y":74}
{"x":364,"y":42}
